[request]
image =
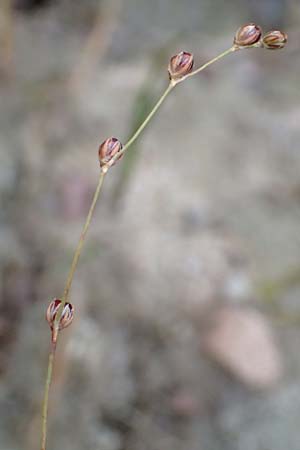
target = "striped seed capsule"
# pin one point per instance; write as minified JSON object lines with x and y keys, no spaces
{"x":247,"y":35}
{"x":108,"y":149}
{"x":274,"y":40}
{"x":66,"y":316}
{"x":180,"y":65}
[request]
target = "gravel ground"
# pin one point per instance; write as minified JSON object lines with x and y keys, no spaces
{"x":186,"y":333}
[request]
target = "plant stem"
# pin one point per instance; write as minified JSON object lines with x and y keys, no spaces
{"x":46,"y":394}
{"x":77,"y":253}
{"x":171,"y":86}
{"x":81,"y":240}
{"x":212,"y":61}
{"x":143,"y":125}
{"x":64,"y":300}
{"x":148,"y":118}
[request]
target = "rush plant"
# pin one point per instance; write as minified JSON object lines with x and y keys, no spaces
{"x":60,"y":312}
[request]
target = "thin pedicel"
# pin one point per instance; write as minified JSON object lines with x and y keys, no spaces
{"x":60,"y":312}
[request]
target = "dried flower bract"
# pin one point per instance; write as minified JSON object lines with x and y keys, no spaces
{"x":108,"y":149}
{"x":274,"y":40}
{"x":248,"y":35}
{"x":180,"y":65}
{"x":66,"y":316}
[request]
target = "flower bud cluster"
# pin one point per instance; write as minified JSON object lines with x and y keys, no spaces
{"x":250,"y":35}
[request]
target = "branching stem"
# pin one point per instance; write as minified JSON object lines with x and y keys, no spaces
{"x":86,"y":226}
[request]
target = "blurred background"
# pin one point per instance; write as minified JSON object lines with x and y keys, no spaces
{"x":187,"y":326}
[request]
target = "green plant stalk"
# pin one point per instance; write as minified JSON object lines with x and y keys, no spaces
{"x":82,"y":238}
{"x":86,"y":226}
{"x":212,"y":61}
{"x":46,"y":394}
{"x":170,"y":87}
{"x":55,"y":331}
{"x":149,"y":117}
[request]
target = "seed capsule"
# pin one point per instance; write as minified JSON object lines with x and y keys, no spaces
{"x":274,"y":40}
{"x":108,"y":149}
{"x":247,"y":35}
{"x":66,"y":316}
{"x":180,"y":65}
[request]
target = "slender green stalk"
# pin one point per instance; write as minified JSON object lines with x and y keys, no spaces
{"x":81,"y":240}
{"x":170,"y":87}
{"x":143,"y":125}
{"x":148,"y":118}
{"x":212,"y":61}
{"x":55,"y":330}
{"x":78,"y":249}
{"x":46,"y":395}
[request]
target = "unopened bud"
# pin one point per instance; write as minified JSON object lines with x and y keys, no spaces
{"x":108,"y":149}
{"x":66,"y":315}
{"x":247,"y":35}
{"x":274,"y":40}
{"x":180,"y":65}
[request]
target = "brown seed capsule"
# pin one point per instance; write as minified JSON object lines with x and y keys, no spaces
{"x":108,"y":149}
{"x":247,"y":35}
{"x":180,"y":65}
{"x":274,"y":40}
{"x":66,"y":316}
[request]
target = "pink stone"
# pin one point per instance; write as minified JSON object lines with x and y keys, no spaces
{"x":241,"y":341}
